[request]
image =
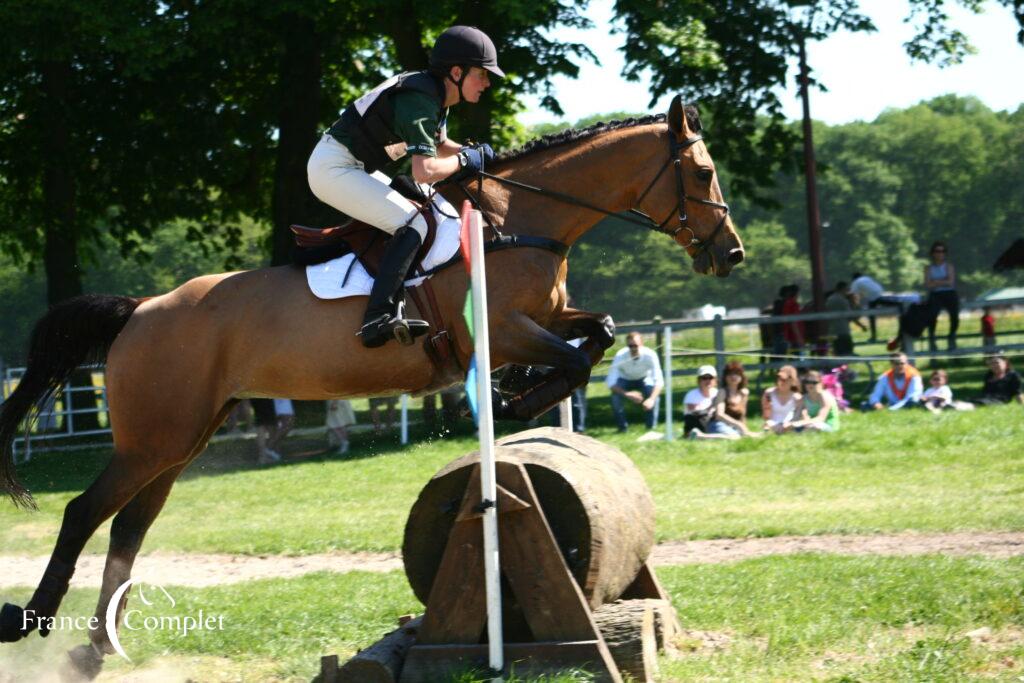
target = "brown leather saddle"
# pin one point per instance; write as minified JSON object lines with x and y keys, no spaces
{"x":368,"y":243}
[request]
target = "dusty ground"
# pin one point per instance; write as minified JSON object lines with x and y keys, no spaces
{"x":194,"y":569}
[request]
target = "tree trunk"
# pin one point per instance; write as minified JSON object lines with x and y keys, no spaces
{"x":627,"y":627}
{"x":407,"y":34}
{"x":299,"y":94}
{"x":60,"y":249}
{"x":382,"y":661}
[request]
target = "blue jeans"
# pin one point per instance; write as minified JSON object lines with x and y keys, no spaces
{"x":619,"y":402}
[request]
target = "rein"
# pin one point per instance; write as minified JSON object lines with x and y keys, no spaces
{"x":644,"y":220}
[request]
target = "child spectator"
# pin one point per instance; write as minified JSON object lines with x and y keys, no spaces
{"x":699,"y":403}
{"x":988,"y":329}
{"x":819,"y":410}
{"x":779,"y":403}
{"x":938,"y":395}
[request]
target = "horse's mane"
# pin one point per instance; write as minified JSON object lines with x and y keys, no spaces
{"x":574,"y":135}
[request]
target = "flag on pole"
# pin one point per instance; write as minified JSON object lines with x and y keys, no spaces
{"x":467,"y":307}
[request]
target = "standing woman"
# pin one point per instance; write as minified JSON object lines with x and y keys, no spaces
{"x":940,"y":281}
{"x":405,"y":115}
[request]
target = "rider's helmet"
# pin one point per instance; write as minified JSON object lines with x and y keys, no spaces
{"x":464,"y":46}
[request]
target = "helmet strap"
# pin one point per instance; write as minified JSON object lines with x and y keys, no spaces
{"x":458,"y":83}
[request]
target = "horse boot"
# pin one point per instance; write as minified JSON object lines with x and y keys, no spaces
{"x":385,"y":312}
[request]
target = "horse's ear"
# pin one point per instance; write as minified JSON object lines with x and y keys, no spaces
{"x":675,"y":116}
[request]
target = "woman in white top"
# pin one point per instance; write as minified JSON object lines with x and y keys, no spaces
{"x":779,"y":404}
{"x":699,"y":403}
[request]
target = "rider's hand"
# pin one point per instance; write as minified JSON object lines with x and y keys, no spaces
{"x":471,"y":162}
{"x":484,"y":148}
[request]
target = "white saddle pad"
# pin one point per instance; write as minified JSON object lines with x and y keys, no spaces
{"x":327,"y":280}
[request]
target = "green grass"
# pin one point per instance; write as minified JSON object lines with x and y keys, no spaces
{"x":780,"y":618}
{"x":885,"y":472}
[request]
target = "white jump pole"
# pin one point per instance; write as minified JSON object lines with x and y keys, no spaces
{"x":667,"y":342}
{"x":404,"y":403}
{"x":489,"y":491}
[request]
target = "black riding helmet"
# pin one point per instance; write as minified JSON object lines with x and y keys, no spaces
{"x":464,"y":46}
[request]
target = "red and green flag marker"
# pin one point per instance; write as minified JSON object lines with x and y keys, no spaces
{"x":478,"y":392}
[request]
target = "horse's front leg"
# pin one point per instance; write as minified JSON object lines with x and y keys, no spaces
{"x":523,"y":342}
{"x":596,"y":329}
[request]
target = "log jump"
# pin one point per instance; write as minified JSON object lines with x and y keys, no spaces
{"x":576,"y":526}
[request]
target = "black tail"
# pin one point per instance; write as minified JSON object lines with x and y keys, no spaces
{"x":74,"y":332}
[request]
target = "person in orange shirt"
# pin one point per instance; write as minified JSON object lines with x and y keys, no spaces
{"x":899,"y":386}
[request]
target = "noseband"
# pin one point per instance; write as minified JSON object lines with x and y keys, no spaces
{"x":674,"y":150}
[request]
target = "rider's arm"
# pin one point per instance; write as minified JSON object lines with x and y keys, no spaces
{"x":432,"y":169}
{"x":448,"y":148}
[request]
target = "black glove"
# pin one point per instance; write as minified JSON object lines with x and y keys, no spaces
{"x":484,"y":148}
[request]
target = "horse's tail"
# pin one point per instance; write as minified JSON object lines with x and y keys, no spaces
{"x":74,"y":332}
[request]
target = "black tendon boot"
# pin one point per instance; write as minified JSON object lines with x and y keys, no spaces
{"x":385,"y":319}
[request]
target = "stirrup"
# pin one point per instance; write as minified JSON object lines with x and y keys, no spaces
{"x":383,"y":329}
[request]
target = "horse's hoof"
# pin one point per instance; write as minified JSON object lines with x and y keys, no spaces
{"x":85,"y":663}
{"x":12,"y":623}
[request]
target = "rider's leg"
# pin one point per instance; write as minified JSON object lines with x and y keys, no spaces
{"x":339,"y":179}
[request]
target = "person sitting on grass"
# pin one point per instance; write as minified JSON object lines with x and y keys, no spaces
{"x":779,"y":403}
{"x":729,"y":418}
{"x":819,"y":411}
{"x":699,"y":403}
{"x":898,"y":387}
{"x":1002,"y":383}
{"x":938,"y":395}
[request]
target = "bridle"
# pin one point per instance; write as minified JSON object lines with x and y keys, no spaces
{"x":675,"y":149}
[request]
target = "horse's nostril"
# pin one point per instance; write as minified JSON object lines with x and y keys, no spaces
{"x":735,"y":256}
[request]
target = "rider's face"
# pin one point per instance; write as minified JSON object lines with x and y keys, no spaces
{"x":476,"y":82}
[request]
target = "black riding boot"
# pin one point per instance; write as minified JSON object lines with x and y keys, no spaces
{"x":385,"y":319}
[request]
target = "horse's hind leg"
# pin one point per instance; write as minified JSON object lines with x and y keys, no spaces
{"x":123,"y":477}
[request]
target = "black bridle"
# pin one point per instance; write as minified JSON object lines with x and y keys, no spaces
{"x":675,"y":149}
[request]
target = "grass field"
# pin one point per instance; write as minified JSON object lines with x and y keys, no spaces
{"x":777,"y":618}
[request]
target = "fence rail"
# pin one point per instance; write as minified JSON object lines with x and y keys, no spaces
{"x":56,"y":423}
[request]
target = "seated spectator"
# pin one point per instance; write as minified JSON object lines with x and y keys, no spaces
{"x":730,"y":418}
{"x":897,"y":387}
{"x":699,"y":403}
{"x":779,"y":403}
{"x":819,"y":411}
{"x":1002,"y":383}
{"x":938,"y":395}
{"x":635,"y":376}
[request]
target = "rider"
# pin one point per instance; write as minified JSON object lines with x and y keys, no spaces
{"x":404,"y":115}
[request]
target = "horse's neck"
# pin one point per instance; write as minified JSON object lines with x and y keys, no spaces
{"x":609,"y":171}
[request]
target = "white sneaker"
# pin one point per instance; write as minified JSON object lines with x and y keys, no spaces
{"x":343,"y":448}
{"x":652,"y":436}
{"x":268,"y":456}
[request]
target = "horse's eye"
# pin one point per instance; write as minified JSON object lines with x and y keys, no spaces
{"x":705,"y":174}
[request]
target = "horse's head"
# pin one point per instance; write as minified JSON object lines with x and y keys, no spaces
{"x":700,"y":221}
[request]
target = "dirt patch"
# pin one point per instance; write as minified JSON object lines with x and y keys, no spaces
{"x":201,"y":569}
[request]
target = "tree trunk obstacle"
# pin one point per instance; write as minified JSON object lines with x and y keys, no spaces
{"x":576,"y":525}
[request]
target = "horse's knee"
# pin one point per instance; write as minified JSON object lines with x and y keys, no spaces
{"x":606,"y":331}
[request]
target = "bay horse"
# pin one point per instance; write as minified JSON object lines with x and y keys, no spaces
{"x":177,"y":364}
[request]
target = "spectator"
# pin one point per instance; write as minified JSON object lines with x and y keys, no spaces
{"x":938,"y":395}
{"x":779,"y":345}
{"x":340,"y":416}
{"x":793,"y":330}
{"x":635,"y":376}
{"x":266,"y":427}
{"x":388,"y":403}
{"x":699,"y":404}
{"x":988,"y":329}
{"x":940,"y":281}
{"x":819,"y":411}
{"x":779,"y":403}
{"x":839,"y":302}
{"x":899,"y":386}
{"x":242,"y":413}
{"x":871,"y":295}
{"x":1002,"y":383}
{"x":729,"y":419}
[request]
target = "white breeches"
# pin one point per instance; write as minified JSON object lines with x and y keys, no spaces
{"x":339,"y":179}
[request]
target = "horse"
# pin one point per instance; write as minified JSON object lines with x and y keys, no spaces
{"x":177,"y":364}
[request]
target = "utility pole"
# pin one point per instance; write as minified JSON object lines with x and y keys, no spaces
{"x":813,"y":212}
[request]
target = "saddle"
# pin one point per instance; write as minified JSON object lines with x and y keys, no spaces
{"x":367,"y":242}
